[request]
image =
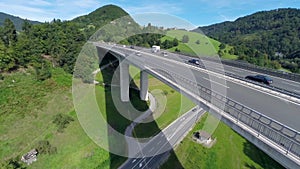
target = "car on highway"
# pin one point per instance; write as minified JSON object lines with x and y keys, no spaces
{"x":138,"y":53}
{"x":132,"y":47}
{"x":165,"y":53}
{"x":194,"y":61}
{"x":260,"y":78}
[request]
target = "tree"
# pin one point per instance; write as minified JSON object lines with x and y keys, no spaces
{"x":26,"y":27}
{"x":43,"y":70}
{"x":62,"y":120}
{"x":222,"y":46}
{"x":44,"y":147}
{"x":167,"y":44}
{"x":185,"y":39}
{"x":10,"y":33}
{"x":12,"y":163}
{"x":175,"y":42}
{"x":220,"y":53}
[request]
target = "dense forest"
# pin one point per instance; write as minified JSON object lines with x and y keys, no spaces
{"x":55,"y":43}
{"x":58,"y":43}
{"x":267,"y":38}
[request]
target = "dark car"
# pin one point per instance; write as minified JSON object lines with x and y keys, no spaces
{"x":132,"y":47}
{"x":194,"y":61}
{"x":261,"y":79}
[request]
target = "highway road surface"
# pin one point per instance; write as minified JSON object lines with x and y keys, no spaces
{"x":281,"y":110}
{"x":169,"y":137}
{"x":277,"y":82}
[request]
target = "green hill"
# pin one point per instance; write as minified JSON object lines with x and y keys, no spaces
{"x":197,"y":44}
{"x":101,"y":16}
{"x":113,"y":17}
{"x":16,"y":20}
{"x":60,"y":41}
{"x":262,"y":38}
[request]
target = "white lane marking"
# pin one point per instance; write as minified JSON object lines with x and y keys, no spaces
{"x":168,"y":64}
{"x":151,"y":149}
{"x":284,"y":82}
{"x":229,"y":78}
{"x":237,"y":69}
{"x":298,"y":91}
{"x":215,"y":82}
{"x":159,"y":142}
{"x":287,"y":81}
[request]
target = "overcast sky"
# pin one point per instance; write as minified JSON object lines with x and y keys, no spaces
{"x":197,"y":12}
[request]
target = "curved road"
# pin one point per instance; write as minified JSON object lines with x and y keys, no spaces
{"x":281,"y":110}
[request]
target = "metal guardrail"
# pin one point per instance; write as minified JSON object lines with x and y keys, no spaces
{"x":283,"y":136}
{"x":248,"y":66}
{"x":274,"y":88}
{"x":285,"y":75}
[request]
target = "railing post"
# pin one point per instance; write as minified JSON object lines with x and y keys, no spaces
{"x":289,"y":149}
{"x":258,"y":133}
{"x":238,"y":117}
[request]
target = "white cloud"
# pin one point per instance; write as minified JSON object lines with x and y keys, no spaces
{"x":87,"y":3}
{"x":162,"y":7}
{"x":39,"y":3}
{"x":28,"y":12}
{"x":46,"y":10}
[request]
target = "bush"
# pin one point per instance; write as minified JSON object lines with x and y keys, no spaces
{"x":1,"y":77}
{"x":177,"y":50}
{"x":44,"y":147}
{"x":42,"y":70}
{"x":185,"y":39}
{"x":62,"y":120}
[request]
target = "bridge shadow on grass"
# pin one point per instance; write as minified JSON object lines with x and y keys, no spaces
{"x":115,"y":119}
{"x":259,"y":157}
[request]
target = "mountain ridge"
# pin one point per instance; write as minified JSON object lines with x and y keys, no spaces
{"x":18,"y":21}
{"x":262,"y":37}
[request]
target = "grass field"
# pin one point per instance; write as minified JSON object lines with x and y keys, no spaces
{"x":27,"y":110}
{"x":176,"y":105}
{"x":206,"y":47}
{"x":231,"y":151}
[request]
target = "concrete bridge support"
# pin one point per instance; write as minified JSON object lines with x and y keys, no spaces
{"x":124,"y":81}
{"x":144,"y":85}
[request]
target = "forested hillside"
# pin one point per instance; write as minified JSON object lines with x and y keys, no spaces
{"x":268,"y":38}
{"x":55,"y":43}
{"x":18,"y":22}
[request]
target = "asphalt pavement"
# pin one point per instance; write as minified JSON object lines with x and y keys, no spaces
{"x":279,"y":109}
{"x":158,"y":148}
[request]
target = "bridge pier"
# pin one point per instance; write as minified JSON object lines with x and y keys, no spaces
{"x":124,"y":81}
{"x":144,"y":85}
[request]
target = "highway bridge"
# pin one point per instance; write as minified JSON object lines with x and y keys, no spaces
{"x":265,"y":116}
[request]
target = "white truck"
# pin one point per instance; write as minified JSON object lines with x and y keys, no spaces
{"x":155,"y":48}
